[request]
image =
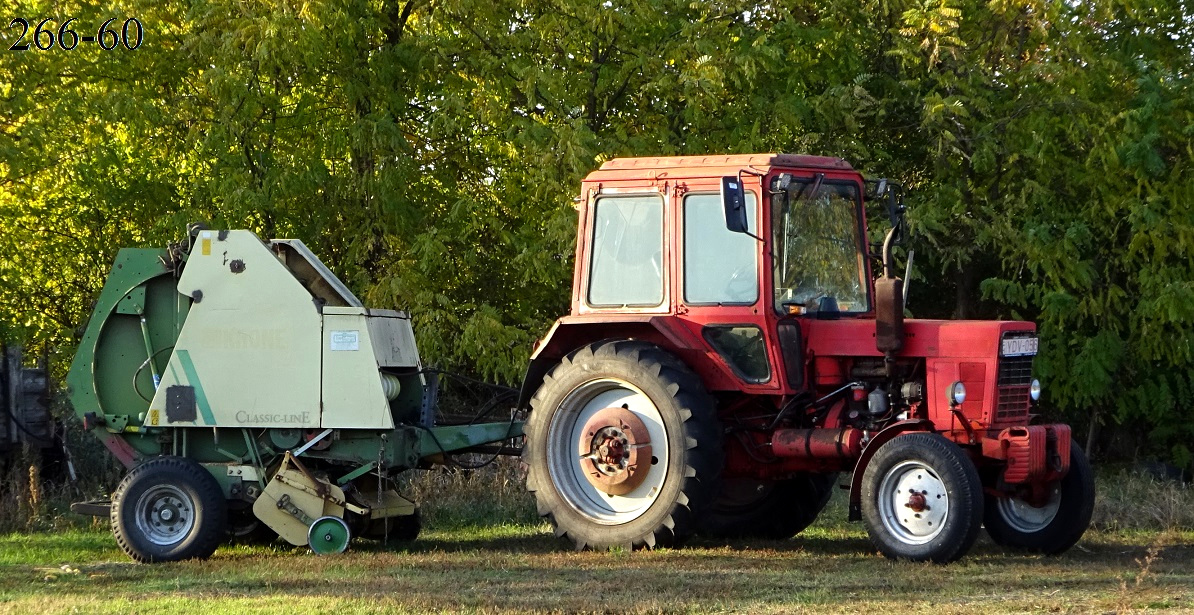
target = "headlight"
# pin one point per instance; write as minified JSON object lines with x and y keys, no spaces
{"x":957,"y":393}
{"x":1034,"y":390}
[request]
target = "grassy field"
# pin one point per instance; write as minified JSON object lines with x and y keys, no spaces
{"x":462,"y":565}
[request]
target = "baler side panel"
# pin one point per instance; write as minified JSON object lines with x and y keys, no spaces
{"x":251,"y":345}
{"x":106,"y":367}
{"x":352,"y":391}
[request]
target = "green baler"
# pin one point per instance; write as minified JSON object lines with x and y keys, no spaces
{"x":245,"y":387}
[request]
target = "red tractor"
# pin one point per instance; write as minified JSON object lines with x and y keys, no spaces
{"x":729,"y":354}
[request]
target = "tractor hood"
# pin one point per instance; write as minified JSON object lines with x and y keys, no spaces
{"x":924,"y":338}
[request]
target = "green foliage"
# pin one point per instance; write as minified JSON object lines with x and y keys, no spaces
{"x":429,"y":150}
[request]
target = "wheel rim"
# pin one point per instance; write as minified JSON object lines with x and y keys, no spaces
{"x":913,"y":502}
{"x":165,"y":515}
{"x":328,"y":535}
{"x":1026,"y":518}
{"x":585,"y":410}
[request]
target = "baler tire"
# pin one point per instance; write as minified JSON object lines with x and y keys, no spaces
{"x":685,"y":438}
{"x":782,"y":509}
{"x":164,"y":496}
{"x":1064,"y":525}
{"x":948,"y":486}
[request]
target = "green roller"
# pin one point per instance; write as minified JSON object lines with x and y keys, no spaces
{"x":328,"y":535}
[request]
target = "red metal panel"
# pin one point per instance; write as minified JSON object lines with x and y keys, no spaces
{"x":973,"y":375}
{"x":1036,"y":454}
{"x":709,"y":166}
{"x":1025,"y":452}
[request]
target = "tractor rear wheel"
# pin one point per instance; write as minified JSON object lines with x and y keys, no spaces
{"x":169,"y":509}
{"x":623,"y":447}
{"x":922,"y":499}
{"x":1058,"y":524}
{"x":774,"y":510}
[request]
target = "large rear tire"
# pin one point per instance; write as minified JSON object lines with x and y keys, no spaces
{"x":1058,"y":524}
{"x":623,"y":448}
{"x":922,"y":499}
{"x":169,"y":509}
{"x":774,"y":510}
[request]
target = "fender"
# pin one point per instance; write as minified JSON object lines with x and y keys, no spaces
{"x":571,"y":333}
{"x":884,"y":436}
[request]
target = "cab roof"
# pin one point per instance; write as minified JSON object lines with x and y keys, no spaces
{"x":704,"y":166}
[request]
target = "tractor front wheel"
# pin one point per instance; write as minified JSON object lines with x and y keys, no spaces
{"x":623,"y":447}
{"x":1054,"y":526}
{"x":922,"y":499}
{"x":169,"y":509}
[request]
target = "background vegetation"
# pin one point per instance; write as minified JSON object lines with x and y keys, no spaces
{"x":429,"y":151}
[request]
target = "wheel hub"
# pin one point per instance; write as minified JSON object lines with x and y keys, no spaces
{"x":914,"y":502}
{"x":615,"y":450}
{"x":165,"y":515}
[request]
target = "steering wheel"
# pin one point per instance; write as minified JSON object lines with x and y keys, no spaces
{"x":741,"y":284}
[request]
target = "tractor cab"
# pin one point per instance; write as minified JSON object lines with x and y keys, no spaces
{"x":655,"y":250}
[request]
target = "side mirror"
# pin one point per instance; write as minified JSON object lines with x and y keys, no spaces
{"x":733,"y":202}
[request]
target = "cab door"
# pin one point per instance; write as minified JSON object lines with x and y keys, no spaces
{"x":719,"y":295}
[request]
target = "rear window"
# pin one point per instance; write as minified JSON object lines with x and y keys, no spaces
{"x":626,"y":267}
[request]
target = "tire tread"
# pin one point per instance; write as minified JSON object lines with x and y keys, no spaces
{"x":697,"y":414}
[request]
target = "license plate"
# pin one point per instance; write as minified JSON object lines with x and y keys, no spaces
{"x":1019,"y":346}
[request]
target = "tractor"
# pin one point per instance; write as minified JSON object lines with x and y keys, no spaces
{"x":731,"y":357}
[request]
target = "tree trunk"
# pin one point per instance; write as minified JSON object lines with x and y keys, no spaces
{"x":964,"y":300}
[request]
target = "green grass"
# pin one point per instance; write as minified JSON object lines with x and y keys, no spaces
{"x":519,"y":568}
{"x":483,"y":550}
{"x":495,"y":566}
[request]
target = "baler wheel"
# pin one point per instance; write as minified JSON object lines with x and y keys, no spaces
{"x":922,"y":499}
{"x":169,"y":509}
{"x":1058,"y":524}
{"x":773,"y":510}
{"x":328,"y":535}
{"x":623,"y":447}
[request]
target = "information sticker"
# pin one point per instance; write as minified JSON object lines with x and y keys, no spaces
{"x":345,"y":340}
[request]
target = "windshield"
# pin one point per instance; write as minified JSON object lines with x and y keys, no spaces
{"x":818,"y":254}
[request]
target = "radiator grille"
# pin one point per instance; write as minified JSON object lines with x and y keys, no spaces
{"x":1015,"y":374}
{"x":1015,"y":371}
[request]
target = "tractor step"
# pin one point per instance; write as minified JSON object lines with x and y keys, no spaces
{"x":92,"y":508}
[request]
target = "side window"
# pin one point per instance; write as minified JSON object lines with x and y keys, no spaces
{"x":626,"y":267}
{"x":741,"y":346}
{"x":720,"y":266}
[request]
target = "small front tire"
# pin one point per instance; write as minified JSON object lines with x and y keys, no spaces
{"x":1058,"y":524}
{"x":922,"y":499}
{"x":169,"y":509}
